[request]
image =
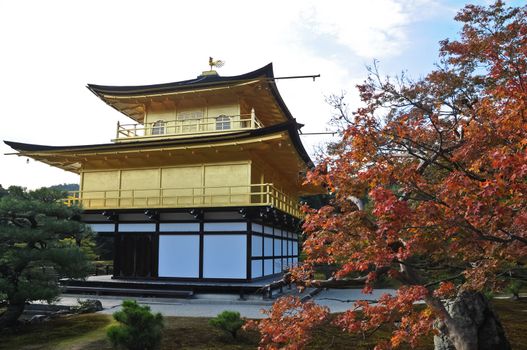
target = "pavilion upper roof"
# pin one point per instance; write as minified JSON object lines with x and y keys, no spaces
{"x":257,"y":87}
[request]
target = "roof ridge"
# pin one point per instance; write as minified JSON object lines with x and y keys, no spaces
{"x":201,"y":80}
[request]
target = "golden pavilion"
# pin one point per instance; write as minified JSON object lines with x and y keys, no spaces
{"x":201,"y":185}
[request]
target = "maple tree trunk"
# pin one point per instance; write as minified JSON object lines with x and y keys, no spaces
{"x":472,"y":325}
{"x":11,"y":315}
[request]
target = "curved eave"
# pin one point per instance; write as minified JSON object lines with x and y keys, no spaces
{"x":39,"y":152}
{"x":201,"y":81}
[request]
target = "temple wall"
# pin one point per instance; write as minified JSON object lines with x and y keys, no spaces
{"x":188,"y":118}
{"x":218,"y":245}
{"x":157,"y":112}
{"x":262,"y":172}
{"x":211,"y":184}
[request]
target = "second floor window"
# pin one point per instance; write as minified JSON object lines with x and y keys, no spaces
{"x":223,"y":122}
{"x":190,"y":120}
{"x":158,"y":128}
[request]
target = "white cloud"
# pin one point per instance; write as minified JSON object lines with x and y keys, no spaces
{"x":51,"y":49}
{"x":370,"y":29}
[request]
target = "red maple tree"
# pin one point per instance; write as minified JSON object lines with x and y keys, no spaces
{"x":430,"y":189}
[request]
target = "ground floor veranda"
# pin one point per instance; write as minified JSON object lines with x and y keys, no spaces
{"x":198,"y":244}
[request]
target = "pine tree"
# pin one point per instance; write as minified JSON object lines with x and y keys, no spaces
{"x":40,"y":242}
{"x":137,"y":329}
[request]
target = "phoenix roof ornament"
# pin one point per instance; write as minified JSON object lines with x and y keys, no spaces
{"x":215,"y":63}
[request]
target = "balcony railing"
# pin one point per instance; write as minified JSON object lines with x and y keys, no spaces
{"x":196,"y":197}
{"x":224,"y":123}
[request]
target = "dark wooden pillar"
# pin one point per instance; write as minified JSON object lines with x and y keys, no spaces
{"x":155,"y":251}
{"x":249,"y":249}
{"x":201,"y":243}
{"x":116,"y":251}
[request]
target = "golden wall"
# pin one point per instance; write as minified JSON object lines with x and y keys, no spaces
{"x":227,"y":183}
{"x":190,"y":118}
{"x":210,"y":184}
{"x":261,"y":172}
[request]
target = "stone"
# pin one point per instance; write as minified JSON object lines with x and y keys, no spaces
{"x":89,"y":306}
{"x":475,"y":321}
{"x":38,"y":318}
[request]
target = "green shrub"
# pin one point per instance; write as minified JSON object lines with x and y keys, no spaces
{"x":514,"y":288}
{"x":489,"y":294}
{"x":139,"y":329}
{"x":228,"y":321}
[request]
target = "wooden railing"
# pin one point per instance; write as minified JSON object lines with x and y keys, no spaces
{"x":200,"y":197}
{"x":183,"y":127}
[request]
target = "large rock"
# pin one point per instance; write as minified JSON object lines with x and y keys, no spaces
{"x":38,"y":318}
{"x":50,"y":310}
{"x":476,"y":321}
{"x":88,"y":306}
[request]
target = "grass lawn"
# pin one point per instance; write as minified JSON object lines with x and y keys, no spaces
{"x":63,"y":332}
{"x":88,"y":332}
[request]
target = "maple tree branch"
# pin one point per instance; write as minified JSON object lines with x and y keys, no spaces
{"x":452,"y":278}
{"x":429,"y":160}
{"x":336,"y":283}
{"x":408,"y":275}
{"x":436,"y":304}
{"x":357,"y":201}
{"x":438,"y":267}
{"x":425,"y":193}
{"x":344,"y":300}
{"x":485,"y":236}
{"x":440,"y":153}
{"x":514,"y":237}
{"x":331,"y":282}
{"x":373,"y":331}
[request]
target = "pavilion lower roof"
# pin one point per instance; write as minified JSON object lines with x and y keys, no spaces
{"x":278,"y":145}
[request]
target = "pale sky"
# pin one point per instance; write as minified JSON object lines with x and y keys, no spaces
{"x":51,"y":49}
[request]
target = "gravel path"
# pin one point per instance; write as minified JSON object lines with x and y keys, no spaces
{"x":209,"y":305}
